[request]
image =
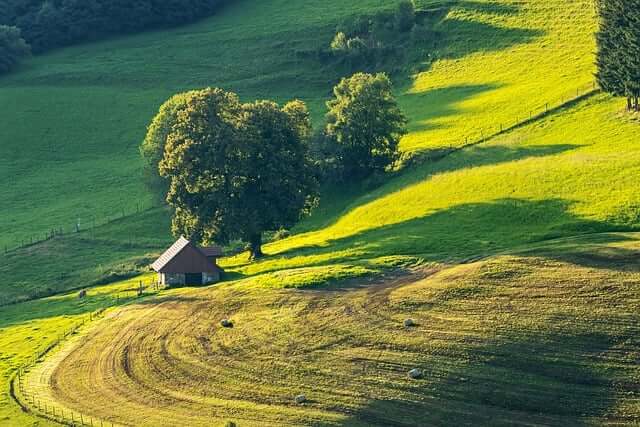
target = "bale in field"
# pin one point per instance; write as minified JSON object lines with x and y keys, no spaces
{"x":415,"y":374}
{"x":82,"y":294}
{"x":226,"y":323}
{"x":300,"y":399}
{"x":409,"y":323}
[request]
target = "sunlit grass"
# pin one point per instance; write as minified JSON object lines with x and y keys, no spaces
{"x":570,"y":173}
{"x":543,"y":337}
{"x":27,"y":329}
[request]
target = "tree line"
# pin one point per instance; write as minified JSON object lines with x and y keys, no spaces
{"x":233,"y":170}
{"x":47,"y":24}
{"x":618,"y":58}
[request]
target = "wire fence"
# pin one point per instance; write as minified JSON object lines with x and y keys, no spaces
{"x":42,"y":406}
{"x":27,"y":395}
{"x":82,"y":223}
{"x":526,"y":116}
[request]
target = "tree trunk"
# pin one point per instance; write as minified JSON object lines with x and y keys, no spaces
{"x":255,"y":245}
{"x":636,"y":106}
{"x":629,"y":105}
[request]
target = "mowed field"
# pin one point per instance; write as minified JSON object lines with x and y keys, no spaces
{"x":544,"y":337}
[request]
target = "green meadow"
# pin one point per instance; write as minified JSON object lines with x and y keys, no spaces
{"x":516,"y":256}
{"x":78,"y":115}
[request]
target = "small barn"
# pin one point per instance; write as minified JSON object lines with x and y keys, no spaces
{"x":187,"y":264}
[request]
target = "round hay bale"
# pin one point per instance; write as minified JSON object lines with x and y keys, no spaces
{"x":409,"y":323}
{"x":415,"y":374}
{"x":300,"y":399}
{"x":226,"y":323}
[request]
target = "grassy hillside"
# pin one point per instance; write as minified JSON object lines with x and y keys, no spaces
{"x":79,"y":260}
{"x":543,"y":337}
{"x":518,"y":319}
{"x":77,"y":116}
{"x":30,"y":328}
{"x":571,"y":173}
{"x":501,"y":61}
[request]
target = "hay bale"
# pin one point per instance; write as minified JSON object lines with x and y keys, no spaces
{"x":226,"y":323}
{"x":415,"y":374}
{"x":82,"y":294}
{"x":300,"y":399}
{"x":409,"y":323}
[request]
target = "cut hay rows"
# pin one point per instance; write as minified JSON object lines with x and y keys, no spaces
{"x":538,"y":339}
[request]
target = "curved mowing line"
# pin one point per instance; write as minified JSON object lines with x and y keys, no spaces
{"x":29,"y":386}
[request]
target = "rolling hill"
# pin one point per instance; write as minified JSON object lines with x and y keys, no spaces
{"x":512,"y":244}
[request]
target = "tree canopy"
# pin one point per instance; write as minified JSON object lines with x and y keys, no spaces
{"x":152,"y":148}
{"x":13,"y":48}
{"x":618,"y":56}
{"x":47,"y":24}
{"x":237,"y":170}
{"x":365,"y":123}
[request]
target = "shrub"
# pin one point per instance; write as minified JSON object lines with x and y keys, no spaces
{"x":355,"y":26}
{"x":405,"y":16}
{"x":13,"y":48}
{"x":281,"y":234}
{"x":339,"y":43}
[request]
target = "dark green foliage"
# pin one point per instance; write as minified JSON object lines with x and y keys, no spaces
{"x":379,"y":41}
{"x":52,"y":23}
{"x":618,"y":57}
{"x":13,"y":48}
{"x":152,"y":148}
{"x":237,"y":170}
{"x":364,"y":124}
{"x":405,"y":16}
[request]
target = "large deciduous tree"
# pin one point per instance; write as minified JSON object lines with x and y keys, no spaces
{"x":365,"y":122}
{"x":237,"y":170}
{"x":152,"y":148}
{"x":618,"y":56}
{"x":13,"y":48}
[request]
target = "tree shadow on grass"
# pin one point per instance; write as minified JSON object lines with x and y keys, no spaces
{"x":460,"y":37}
{"x":538,"y":378}
{"x":595,"y":252}
{"x":471,"y":157}
{"x":428,"y":106}
{"x":455,"y":234}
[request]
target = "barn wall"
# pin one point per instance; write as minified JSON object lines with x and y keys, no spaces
{"x":190,"y":260}
{"x":172,"y":279}
{"x":208,"y":278}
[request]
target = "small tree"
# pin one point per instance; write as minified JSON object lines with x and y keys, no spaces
{"x":13,"y":48}
{"x":339,"y":42}
{"x":405,"y":16}
{"x":366,"y":123}
{"x":237,"y":170}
